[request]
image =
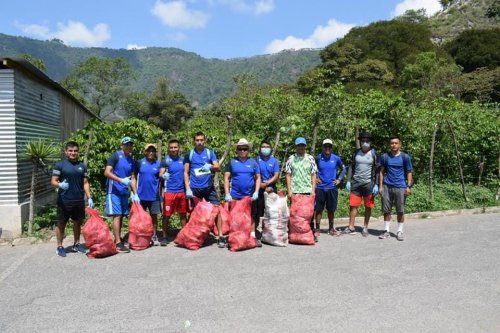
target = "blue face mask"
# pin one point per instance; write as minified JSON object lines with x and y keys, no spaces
{"x":365,"y":145}
{"x":265,"y":151}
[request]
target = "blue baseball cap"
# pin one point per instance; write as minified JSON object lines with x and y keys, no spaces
{"x":127,"y":139}
{"x":300,"y":141}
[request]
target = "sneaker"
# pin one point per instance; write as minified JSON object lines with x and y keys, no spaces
{"x":155,"y":240}
{"x":60,"y":251}
{"x":400,"y":236}
{"x":317,"y":233}
{"x":334,"y":232}
{"x":163,"y":242}
{"x":348,"y":231}
{"x":385,"y":235}
{"x":79,"y":248}
{"x":221,"y":242}
{"x":258,"y":242}
{"x":121,"y":247}
{"x":364,"y":233}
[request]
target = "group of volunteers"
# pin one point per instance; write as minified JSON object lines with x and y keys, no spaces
{"x":177,"y":182}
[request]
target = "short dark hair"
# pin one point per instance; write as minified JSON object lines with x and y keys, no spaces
{"x":395,"y":137}
{"x":174,"y":141}
{"x":264,"y":142}
{"x":199,"y":134}
{"x":71,"y":144}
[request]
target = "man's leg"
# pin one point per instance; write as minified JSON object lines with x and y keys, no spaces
{"x":386,"y":210}
{"x":117,"y":227}
{"x":400,"y":199}
{"x":61,"y":225}
{"x":354,"y":203}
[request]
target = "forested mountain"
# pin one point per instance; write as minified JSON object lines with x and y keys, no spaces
{"x":203,"y":81}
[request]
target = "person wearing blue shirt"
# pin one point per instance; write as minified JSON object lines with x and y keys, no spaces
{"x":199,"y":166}
{"x":327,"y":186}
{"x":269,"y":174}
{"x":174,"y":196}
{"x":396,"y":180}
{"x":242,"y":178}
{"x":120,"y":176}
{"x":147,"y":172}
{"x":69,"y":176}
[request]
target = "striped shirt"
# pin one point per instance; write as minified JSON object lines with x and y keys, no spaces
{"x":301,"y":168}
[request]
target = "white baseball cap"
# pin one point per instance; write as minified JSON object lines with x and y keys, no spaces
{"x":327,"y":142}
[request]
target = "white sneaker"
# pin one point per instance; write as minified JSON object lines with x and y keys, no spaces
{"x":400,"y":236}
{"x":155,"y":240}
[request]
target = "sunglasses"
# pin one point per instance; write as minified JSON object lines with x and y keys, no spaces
{"x":242,"y":149}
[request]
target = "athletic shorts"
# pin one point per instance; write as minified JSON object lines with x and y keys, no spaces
{"x":74,"y":211}
{"x":328,"y":198}
{"x":153,"y":206}
{"x":207,"y":193}
{"x":117,"y":204}
{"x":174,"y":203}
{"x":361,"y":191}
{"x":393,"y":196}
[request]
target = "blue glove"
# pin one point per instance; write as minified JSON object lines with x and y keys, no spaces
{"x":90,"y":203}
{"x":126,"y":181}
{"x":189,"y":193}
{"x":375,"y":190}
{"x":228,"y":197}
{"x":255,"y":195}
{"x":135,"y":198}
{"x":64,"y":185}
{"x":166,"y":176}
{"x":348,"y":186}
{"x":206,"y":167}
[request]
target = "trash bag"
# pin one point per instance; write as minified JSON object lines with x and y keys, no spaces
{"x":225,"y":217}
{"x":301,"y":213}
{"x":276,"y":218}
{"x":239,"y":228}
{"x":97,"y":236}
{"x":196,"y":231}
{"x":140,"y":228}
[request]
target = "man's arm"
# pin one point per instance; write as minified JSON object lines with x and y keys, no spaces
{"x":187,"y":167}
{"x":381,"y":179}
{"x":86,"y":187}
{"x":288,"y":178}
{"x":227,"y":178}
{"x":215,"y":166}
{"x":313,"y":180}
{"x":409,"y":184}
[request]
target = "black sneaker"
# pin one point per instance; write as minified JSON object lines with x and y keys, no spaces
{"x":79,"y":248}
{"x":164,"y":242}
{"x":258,"y":242}
{"x":221,"y":242}
{"x":60,"y":251}
{"x":121,"y":247}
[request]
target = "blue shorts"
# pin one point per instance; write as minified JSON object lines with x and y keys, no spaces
{"x":117,"y":204}
{"x":207,"y":193}
{"x":326,"y":198}
{"x":153,"y":206}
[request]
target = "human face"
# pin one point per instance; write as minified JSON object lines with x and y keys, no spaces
{"x":365,"y":144}
{"x":300,"y":149}
{"x":199,"y":142}
{"x":127,"y":148}
{"x":327,"y":149}
{"x":394,"y":145}
{"x":173,"y":149}
{"x":150,"y":153}
{"x":72,"y":153}
{"x":266,"y":147}
{"x":242,"y":151}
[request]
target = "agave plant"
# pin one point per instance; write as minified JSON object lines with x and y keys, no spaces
{"x":39,"y":152}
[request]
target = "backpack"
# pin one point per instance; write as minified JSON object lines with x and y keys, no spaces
{"x":192,"y":152}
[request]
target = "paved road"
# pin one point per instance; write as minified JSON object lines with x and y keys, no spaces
{"x":445,"y":277}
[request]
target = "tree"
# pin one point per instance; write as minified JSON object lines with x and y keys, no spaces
{"x":38,"y":63}
{"x":101,"y":83}
{"x":481,"y":85}
{"x":418,"y":16}
{"x":39,"y":153}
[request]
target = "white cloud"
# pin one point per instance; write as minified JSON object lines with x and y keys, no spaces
{"x":322,"y":36}
{"x":257,"y":7}
{"x":431,"y":6}
{"x":264,"y":7}
{"x":135,"y":47}
{"x":176,"y":14}
{"x":74,"y":33}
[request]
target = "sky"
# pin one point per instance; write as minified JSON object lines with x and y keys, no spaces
{"x":222,"y":29}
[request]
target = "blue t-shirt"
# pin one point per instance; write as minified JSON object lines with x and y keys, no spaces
{"x":175,"y":167}
{"x":242,"y":177}
{"x":148,"y":179}
{"x":394,"y":169}
{"x":73,"y":172}
{"x":197,"y":161}
{"x":268,"y":168}
{"x":122,"y":167}
{"x":327,"y":171}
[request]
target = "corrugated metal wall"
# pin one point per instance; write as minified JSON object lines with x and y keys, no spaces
{"x":37,"y":112}
{"x":8,"y":161}
{"x":73,"y":117}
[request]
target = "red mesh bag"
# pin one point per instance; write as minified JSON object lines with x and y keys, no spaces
{"x":239,"y":228}
{"x":225,"y":217}
{"x":97,"y":236}
{"x":301,"y":213}
{"x":140,"y":228}
{"x":196,"y":231}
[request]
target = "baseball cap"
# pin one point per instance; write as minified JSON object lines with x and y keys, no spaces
{"x":127,"y":139}
{"x":300,"y":141}
{"x":327,"y":142}
{"x":147,"y":146}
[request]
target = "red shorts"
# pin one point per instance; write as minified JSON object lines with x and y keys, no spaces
{"x":174,"y":203}
{"x":355,"y":201}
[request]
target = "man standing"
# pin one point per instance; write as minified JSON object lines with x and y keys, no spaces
{"x":269,"y":174}
{"x":300,"y":170}
{"x":174,"y":197}
{"x":148,"y":185}
{"x":364,"y":175}
{"x":199,"y":166}
{"x":326,"y":191}
{"x":242,"y":178}
{"x":70,"y":196}
{"x":119,"y":172}
{"x":396,"y":180}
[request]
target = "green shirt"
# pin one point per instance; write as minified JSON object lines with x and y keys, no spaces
{"x":301,"y":168}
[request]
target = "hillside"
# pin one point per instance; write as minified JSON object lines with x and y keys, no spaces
{"x":461,"y":15}
{"x":202,"y":81}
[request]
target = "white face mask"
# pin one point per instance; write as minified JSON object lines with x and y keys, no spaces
{"x":365,"y":145}
{"x":265,"y":151}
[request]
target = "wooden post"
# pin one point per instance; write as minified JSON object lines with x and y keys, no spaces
{"x":458,"y":159}
{"x":481,"y":169}
{"x":312,"y":149}
{"x":226,"y":153}
{"x":431,"y":162}
{"x":158,"y":150}
{"x":87,"y":146}
{"x":356,"y":134}
{"x":276,"y":142}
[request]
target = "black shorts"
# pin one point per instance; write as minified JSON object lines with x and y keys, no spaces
{"x":328,"y":198}
{"x":362,"y":189}
{"x":207,"y":193}
{"x":74,"y":210}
